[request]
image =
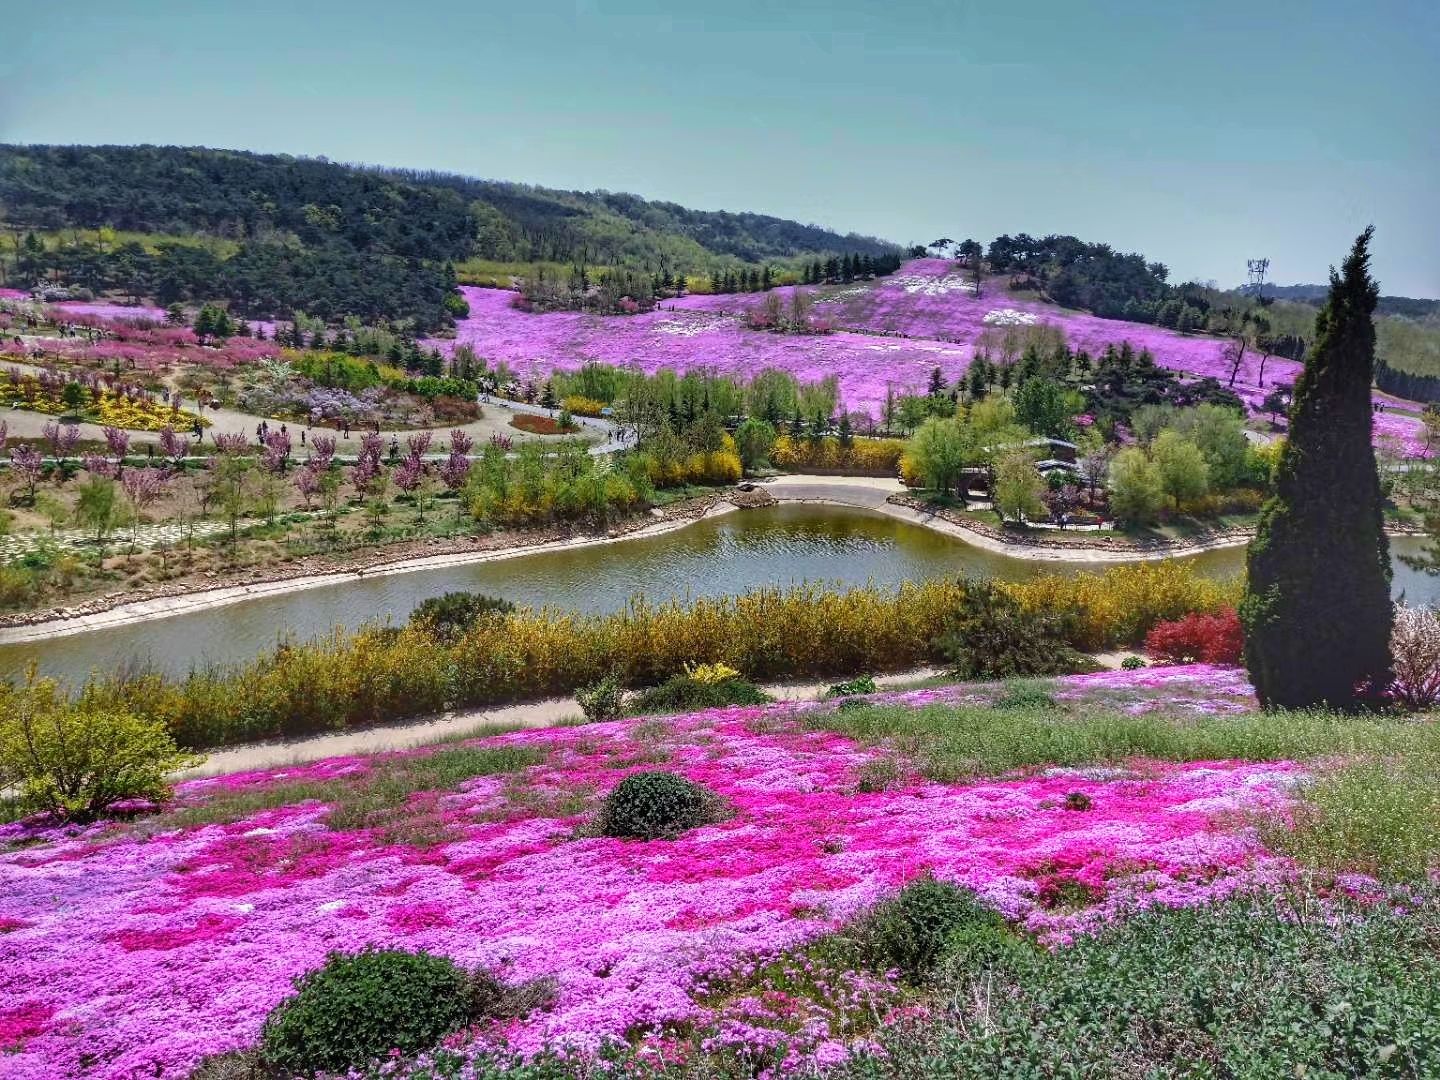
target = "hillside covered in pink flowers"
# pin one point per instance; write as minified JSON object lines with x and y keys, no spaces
{"x":885,"y":335}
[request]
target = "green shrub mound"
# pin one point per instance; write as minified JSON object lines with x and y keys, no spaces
{"x":360,"y":1006}
{"x":452,"y":614}
{"x":604,"y":700}
{"x":856,"y":687}
{"x":657,"y":805}
{"x":990,"y":636}
{"x":75,"y":762}
{"x":926,"y":921}
{"x":681,"y":693}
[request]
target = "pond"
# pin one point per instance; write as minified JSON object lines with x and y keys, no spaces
{"x":780,"y":545}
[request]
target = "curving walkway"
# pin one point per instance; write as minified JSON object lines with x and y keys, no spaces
{"x":609,"y":437}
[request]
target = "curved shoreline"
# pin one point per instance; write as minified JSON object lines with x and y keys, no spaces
{"x":854,"y":493}
{"x":127,"y":612}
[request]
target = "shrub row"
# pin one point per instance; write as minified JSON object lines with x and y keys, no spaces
{"x":381,"y":674}
{"x":829,"y":453}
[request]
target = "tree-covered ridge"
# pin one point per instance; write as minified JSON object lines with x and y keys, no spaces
{"x":1085,"y":275}
{"x":425,"y":215}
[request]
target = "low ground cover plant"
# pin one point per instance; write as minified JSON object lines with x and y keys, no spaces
{"x":766,"y":939}
{"x":861,"y":685}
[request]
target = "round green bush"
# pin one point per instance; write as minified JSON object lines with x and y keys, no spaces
{"x":657,"y":805}
{"x":450,"y":615}
{"x":924,"y":921}
{"x":360,"y":1006}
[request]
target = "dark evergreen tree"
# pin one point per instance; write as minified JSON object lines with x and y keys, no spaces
{"x":1317,"y":609}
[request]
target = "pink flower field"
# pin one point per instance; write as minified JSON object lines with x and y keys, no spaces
{"x":890,"y":333}
{"x":709,"y":336}
{"x":130,"y":952}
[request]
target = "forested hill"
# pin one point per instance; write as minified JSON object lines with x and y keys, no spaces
{"x":1411,"y":307}
{"x":422,"y":215}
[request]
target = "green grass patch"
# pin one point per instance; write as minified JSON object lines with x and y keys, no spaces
{"x":949,"y":743}
{"x":374,"y":798}
{"x":1380,"y":818}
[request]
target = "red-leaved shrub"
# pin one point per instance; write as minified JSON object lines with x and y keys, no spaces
{"x":1197,"y":639}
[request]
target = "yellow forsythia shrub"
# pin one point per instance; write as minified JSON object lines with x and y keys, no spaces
{"x":910,"y":474}
{"x":863,"y":455}
{"x":582,"y":406}
{"x":1119,"y":606}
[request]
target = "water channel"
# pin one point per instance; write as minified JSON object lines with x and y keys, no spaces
{"x":781,"y":545}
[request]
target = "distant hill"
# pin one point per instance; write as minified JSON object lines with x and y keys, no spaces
{"x":414,"y":214}
{"x":1410,"y":307}
{"x":270,"y":234}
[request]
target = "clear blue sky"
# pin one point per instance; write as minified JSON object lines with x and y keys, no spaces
{"x":1200,"y":134}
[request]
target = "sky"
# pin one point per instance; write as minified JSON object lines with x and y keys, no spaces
{"x":1201,"y":135}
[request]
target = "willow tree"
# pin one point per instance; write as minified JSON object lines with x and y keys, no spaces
{"x":1317,"y":610}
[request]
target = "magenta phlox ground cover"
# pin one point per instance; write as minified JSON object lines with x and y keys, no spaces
{"x":889,"y":335}
{"x":138,"y":952}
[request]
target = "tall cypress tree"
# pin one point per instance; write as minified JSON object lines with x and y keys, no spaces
{"x":1317,"y":610}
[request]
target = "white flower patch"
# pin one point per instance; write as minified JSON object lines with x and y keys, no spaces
{"x":1010,"y":317}
{"x":933,"y":286}
{"x":843,"y":294}
{"x":689,"y":327}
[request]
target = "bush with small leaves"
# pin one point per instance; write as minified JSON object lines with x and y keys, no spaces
{"x":360,"y":1006}
{"x":1132,"y":663}
{"x":686,"y":693}
{"x":76,"y":760}
{"x":604,"y":700}
{"x":927,"y":919}
{"x":657,"y":805}
{"x":990,"y":636}
{"x":449,"y":616}
{"x":855,"y":687}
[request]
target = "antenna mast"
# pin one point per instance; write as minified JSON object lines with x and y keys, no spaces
{"x":1258,"y":269}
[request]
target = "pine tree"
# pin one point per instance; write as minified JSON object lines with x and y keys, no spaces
{"x":1317,"y":610}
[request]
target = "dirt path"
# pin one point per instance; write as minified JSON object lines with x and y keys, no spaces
{"x":535,"y":714}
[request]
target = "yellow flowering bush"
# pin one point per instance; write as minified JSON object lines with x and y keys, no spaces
{"x":376,"y":675}
{"x":864,"y":455}
{"x":1119,"y":605}
{"x":581,"y":405}
{"x":717,"y":467}
{"x":112,"y":409}
{"x":710,"y":673}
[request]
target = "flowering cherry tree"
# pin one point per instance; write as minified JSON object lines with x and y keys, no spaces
{"x":142,"y":487}
{"x":174,"y":446}
{"x":29,"y":465}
